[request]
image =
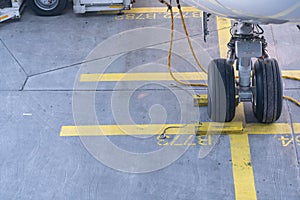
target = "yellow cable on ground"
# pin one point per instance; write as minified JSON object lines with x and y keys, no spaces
{"x":291,"y":100}
{"x":291,"y":77}
{"x":188,"y":37}
{"x":170,"y":50}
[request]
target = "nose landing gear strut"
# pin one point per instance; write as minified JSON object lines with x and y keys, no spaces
{"x":259,"y":83}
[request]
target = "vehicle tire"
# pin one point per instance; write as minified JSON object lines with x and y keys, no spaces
{"x":267,"y":91}
{"x":47,"y":8}
{"x":221,"y":91}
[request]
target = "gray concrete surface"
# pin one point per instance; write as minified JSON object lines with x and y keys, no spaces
{"x":41,"y":60}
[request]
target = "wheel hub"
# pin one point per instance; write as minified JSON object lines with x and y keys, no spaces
{"x":46,"y":4}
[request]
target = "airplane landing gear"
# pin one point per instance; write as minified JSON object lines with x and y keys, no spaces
{"x":265,"y":88}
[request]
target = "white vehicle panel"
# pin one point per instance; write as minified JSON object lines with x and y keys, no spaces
{"x":101,"y":1}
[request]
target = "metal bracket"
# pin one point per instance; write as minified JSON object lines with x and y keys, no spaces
{"x":205,"y":19}
{"x":245,"y":94}
{"x":248,"y":48}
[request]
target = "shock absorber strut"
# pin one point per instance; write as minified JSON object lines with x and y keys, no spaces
{"x":244,"y":44}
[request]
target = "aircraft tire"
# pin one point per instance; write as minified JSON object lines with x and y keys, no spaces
{"x":267,"y":93}
{"x":221,"y":91}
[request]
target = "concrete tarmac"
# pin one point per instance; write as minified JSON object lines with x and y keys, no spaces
{"x":83,"y":99}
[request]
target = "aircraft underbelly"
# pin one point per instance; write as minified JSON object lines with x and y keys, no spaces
{"x":260,"y":11}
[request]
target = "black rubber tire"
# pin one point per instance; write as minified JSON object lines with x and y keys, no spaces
{"x":221,"y":91}
{"x":267,"y":95}
{"x":57,"y":10}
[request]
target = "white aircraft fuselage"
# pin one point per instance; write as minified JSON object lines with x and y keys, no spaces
{"x":253,"y":11}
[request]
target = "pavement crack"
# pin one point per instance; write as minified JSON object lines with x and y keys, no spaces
{"x":23,"y":86}
{"x":107,"y":56}
{"x":56,"y":69}
{"x":294,"y":138}
{"x":9,"y":51}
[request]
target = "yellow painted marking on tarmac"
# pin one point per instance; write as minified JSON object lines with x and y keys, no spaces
{"x":159,"y":10}
{"x":141,"y":76}
{"x":156,"y":76}
{"x":111,"y":130}
{"x":231,"y":128}
{"x":244,"y":185}
{"x":296,"y":127}
{"x":267,"y":129}
{"x":173,"y":143}
{"x":242,"y":168}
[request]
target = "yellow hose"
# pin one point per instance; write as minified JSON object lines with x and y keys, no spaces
{"x":170,"y":50}
{"x":188,"y":38}
{"x":291,"y":77}
{"x":291,"y":100}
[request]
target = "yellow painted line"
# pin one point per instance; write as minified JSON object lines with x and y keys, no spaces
{"x":244,"y":185}
{"x":141,"y":76}
{"x":157,"y":76}
{"x":159,"y":10}
{"x":296,"y":127}
{"x":242,"y":168}
{"x":154,"y":129}
{"x":111,"y":130}
{"x":266,"y":129}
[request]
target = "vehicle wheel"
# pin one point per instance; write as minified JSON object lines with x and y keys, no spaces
{"x":267,"y":91}
{"x":221,"y":91}
{"x":47,"y":7}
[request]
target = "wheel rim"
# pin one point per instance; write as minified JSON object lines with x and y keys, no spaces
{"x":46,"y":4}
